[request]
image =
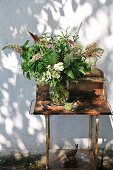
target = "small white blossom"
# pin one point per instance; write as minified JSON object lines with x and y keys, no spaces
{"x":48,"y":74}
{"x":41,"y":79}
{"x":59,"y":66}
{"x":48,"y":66}
{"x":56,"y":74}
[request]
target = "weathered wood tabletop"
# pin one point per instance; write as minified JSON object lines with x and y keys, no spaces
{"x":99,"y":106}
{"x":88,"y":95}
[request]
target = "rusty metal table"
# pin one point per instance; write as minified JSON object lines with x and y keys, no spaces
{"x":93,"y":104}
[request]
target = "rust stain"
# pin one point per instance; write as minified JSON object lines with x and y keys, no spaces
{"x":88,"y":93}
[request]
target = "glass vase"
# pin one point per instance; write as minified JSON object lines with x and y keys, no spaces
{"x":58,"y":94}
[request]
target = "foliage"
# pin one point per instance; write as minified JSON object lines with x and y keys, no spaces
{"x":2,"y":161}
{"x":56,"y":59}
{"x":68,"y":106}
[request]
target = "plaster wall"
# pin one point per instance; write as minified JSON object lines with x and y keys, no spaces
{"x":23,"y":133}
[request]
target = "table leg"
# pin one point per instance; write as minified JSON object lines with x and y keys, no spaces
{"x":47,"y":140}
{"x":91,"y":132}
{"x":96,"y":137}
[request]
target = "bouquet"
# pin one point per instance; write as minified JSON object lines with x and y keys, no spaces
{"x":55,"y":60}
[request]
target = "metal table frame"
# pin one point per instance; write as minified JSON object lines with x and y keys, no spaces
{"x":93,"y":132}
{"x":93,"y":127}
{"x":93,"y":140}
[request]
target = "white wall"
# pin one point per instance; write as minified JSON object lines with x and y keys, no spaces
{"x":19,"y":131}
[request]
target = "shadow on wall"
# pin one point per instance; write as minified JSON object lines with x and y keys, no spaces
{"x":19,"y":131}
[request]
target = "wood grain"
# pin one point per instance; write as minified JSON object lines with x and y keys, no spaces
{"x":88,"y":93}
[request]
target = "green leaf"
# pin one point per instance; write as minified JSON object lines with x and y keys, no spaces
{"x":68,"y":106}
{"x":2,"y":161}
{"x":81,"y":70}
{"x":28,"y":75}
{"x":68,"y":58}
{"x":26,"y":43}
{"x":70,"y":74}
{"x":5,"y":47}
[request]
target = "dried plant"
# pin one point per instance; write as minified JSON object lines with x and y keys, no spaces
{"x":15,"y":47}
{"x":92,"y":50}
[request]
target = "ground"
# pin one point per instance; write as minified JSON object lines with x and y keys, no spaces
{"x":38,"y":162}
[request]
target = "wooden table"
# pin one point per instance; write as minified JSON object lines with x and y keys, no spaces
{"x":90,"y":101}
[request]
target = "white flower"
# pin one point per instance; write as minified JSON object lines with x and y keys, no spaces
{"x":59,"y":66}
{"x":55,"y":74}
{"x":41,"y":79}
{"x":48,"y":74}
{"x":48,"y":66}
